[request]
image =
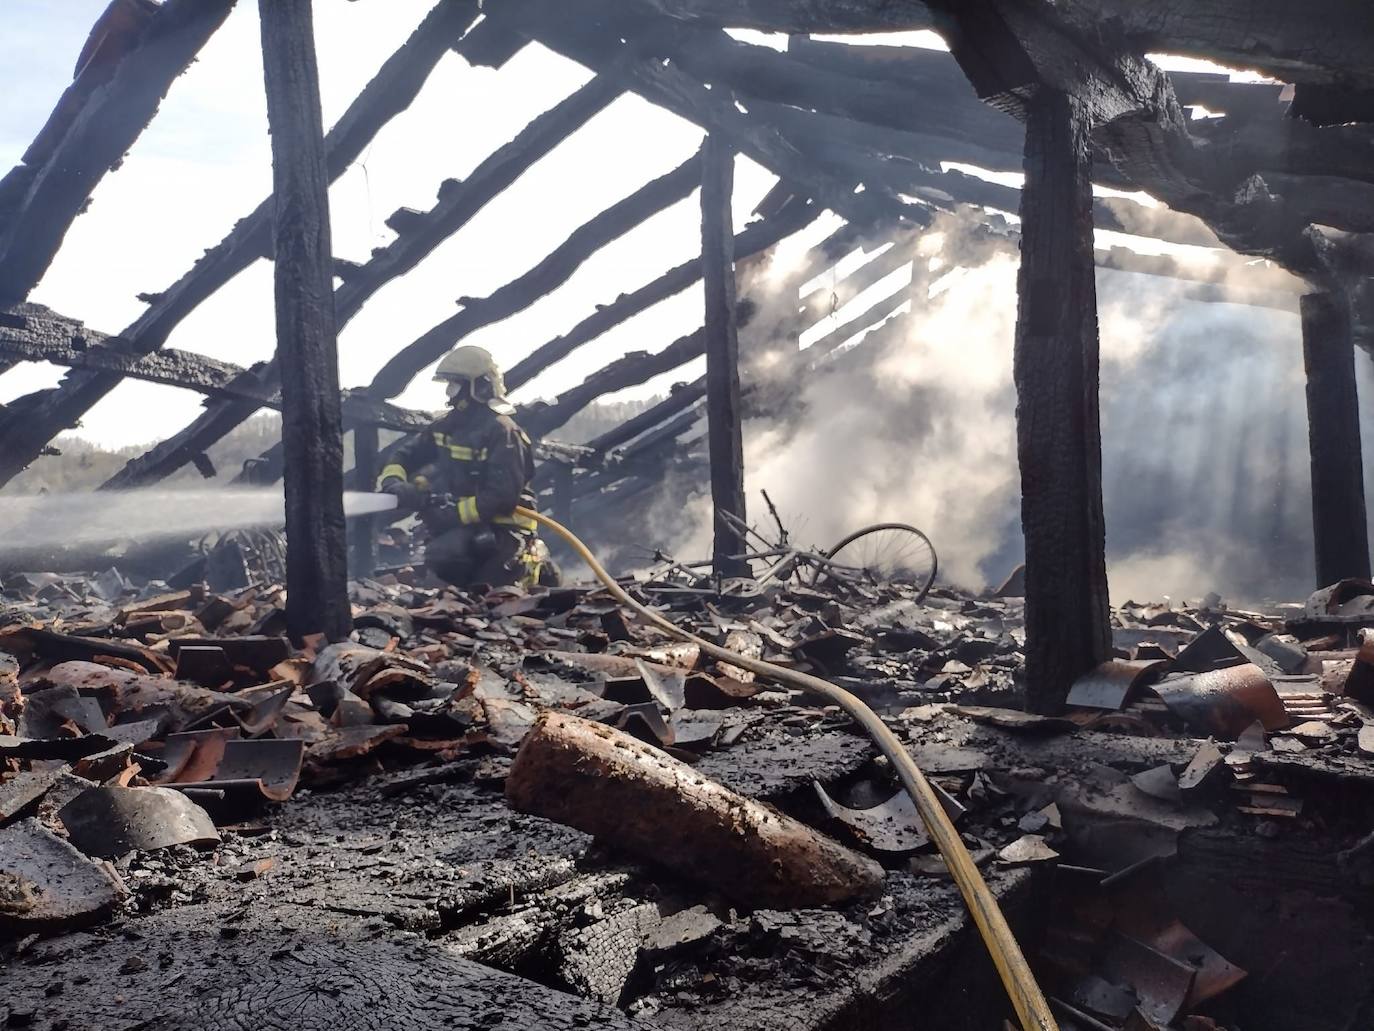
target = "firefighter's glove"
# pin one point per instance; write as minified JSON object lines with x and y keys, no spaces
{"x":409,"y":497}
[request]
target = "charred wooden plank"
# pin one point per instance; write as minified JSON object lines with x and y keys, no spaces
{"x":312,"y":427}
{"x":548,"y":274}
{"x":795,"y":214}
{"x":1059,"y":442}
{"x":726,"y":431}
{"x":393,"y":88}
{"x":1333,"y":421}
{"x":604,"y":782}
{"x":458,"y":203}
{"x":41,"y":198}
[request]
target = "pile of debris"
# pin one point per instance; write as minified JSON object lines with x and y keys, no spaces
{"x":148,"y":739}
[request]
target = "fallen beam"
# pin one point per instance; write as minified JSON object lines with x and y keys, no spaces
{"x":554,"y":270}
{"x":41,"y":198}
{"x":635,"y":797}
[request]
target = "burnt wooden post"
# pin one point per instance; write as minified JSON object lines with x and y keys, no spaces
{"x":722,"y":354}
{"x":563,"y":492}
{"x":362,"y":532}
{"x":1333,"y":430}
{"x":312,"y":428}
{"x":1059,"y":442}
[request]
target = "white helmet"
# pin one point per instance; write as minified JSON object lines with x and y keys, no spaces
{"x":475,"y":369}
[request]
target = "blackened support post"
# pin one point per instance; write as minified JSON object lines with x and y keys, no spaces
{"x":1059,"y":441}
{"x":312,"y":427}
{"x":563,"y":487}
{"x":362,"y":532}
{"x":1333,"y":428}
{"x":722,"y":354}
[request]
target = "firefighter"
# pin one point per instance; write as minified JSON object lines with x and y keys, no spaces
{"x":465,"y":476}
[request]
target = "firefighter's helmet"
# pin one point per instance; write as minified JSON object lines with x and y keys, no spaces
{"x":474,"y":368}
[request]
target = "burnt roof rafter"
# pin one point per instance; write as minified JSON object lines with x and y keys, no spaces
{"x":417,"y":236}
{"x":96,"y":122}
{"x":391,"y":91}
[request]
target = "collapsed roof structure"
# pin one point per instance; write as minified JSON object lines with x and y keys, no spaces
{"x":1281,"y":170}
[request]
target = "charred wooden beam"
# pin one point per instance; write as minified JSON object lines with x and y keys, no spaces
{"x":794,"y":215}
{"x":950,"y":112}
{"x":629,"y":370}
{"x":459,"y":200}
{"x":1324,"y":41}
{"x":680,"y":397}
{"x":1059,"y":443}
{"x":615,"y":46}
{"x":30,"y":332}
{"x":391,"y":91}
{"x":1339,"y":528}
{"x":550,"y":273}
{"x":824,"y":16}
{"x":726,"y":431}
{"x":312,"y":427}
{"x":458,"y":203}
{"x":119,"y":84}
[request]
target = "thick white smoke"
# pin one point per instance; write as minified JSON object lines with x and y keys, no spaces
{"x":1204,"y":435}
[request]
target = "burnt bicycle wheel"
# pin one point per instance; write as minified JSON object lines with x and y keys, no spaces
{"x":888,"y":552}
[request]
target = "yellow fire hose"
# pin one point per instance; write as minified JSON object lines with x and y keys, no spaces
{"x":1026,"y":997}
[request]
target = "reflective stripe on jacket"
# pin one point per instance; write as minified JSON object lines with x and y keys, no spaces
{"x":483,"y":459}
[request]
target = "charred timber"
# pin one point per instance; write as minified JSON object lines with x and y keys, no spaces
{"x":629,"y":370}
{"x":613,"y":49}
{"x":30,"y":332}
{"x":1339,"y":528}
{"x":681,"y":396}
{"x":41,"y":198}
{"x":721,"y":338}
{"x":312,"y":427}
{"x":1323,"y":41}
{"x":554,"y":270}
{"x":794,"y":215}
{"x":458,"y":203}
{"x":820,"y":16}
{"x":389,"y":92}
{"x":1059,"y":444}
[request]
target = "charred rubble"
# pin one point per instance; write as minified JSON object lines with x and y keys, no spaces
{"x":282,"y":788}
{"x":189,"y":801}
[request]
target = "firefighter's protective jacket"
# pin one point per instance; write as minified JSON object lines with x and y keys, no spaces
{"x":478,"y":456}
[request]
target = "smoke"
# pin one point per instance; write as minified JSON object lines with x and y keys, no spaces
{"x":1205,"y":470}
{"x":99,"y":517}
